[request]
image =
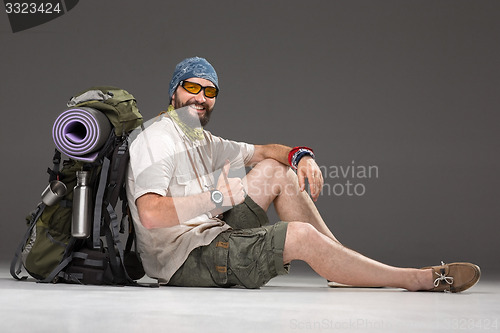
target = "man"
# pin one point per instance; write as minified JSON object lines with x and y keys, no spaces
{"x":197,"y":228}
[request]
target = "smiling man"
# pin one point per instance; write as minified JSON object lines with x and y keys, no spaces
{"x":198,"y":224}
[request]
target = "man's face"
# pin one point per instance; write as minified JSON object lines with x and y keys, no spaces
{"x":198,"y":106}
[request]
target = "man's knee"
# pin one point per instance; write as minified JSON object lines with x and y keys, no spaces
{"x":269,"y":179}
{"x":271,"y":169}
{"x":300,"y":237}
{"x":301,"y":230}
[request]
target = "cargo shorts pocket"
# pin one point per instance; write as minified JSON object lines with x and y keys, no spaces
{"x":217,"y":261}
{"x":246,"y":258}
{"x":246,"y":215}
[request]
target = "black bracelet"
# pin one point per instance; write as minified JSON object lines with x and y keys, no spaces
{"x":298,"y":156}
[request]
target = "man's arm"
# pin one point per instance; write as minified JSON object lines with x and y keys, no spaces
{"x":156,"y":211}
{"x":275,"y":151}
{"x":307,"y":167}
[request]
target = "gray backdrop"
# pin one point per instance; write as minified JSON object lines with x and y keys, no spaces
{"x":408,"y":88}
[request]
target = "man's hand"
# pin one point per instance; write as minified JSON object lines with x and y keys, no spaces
{"x":307,"y":168}
{"x":232,"y":188}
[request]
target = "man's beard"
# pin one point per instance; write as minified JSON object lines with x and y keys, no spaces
{"x":189,"y":119}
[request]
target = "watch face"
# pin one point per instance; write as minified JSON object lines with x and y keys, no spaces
{"x":217,"y":197}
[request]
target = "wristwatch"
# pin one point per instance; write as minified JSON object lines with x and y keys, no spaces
{"x":217,"y":198}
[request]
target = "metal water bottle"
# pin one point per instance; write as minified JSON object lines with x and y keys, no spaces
{"x":82,"y":206}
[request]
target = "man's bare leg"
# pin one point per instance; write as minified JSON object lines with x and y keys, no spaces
{"x":272,"y":182}
{"x":312,"y":242}
{"x":335,"y":262}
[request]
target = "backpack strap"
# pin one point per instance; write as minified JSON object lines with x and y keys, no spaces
{"x":109,"y":187}
{"x":102,"y":189}
{"x":56,"y":272}
{"x":88,"y":267}
{"x":118,"y":172}
{"x":99,"y":200}
{"x":117,"y":175}
{"x":54,"y":172}
{"x":112,"y":173}
{"x":131,"y":239}
{"x":16,"y":263}
{"x":116,"y":257}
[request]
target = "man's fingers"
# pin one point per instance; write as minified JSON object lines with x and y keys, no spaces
{"x":302,"y":182}
{"x":315,"y":183}
{"x":310,"y":170}
{"x":312,"y":184}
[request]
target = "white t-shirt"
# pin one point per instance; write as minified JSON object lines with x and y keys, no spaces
{"x":164,"y":161}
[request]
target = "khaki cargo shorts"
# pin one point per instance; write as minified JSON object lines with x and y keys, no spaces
{"x":249,"y":255}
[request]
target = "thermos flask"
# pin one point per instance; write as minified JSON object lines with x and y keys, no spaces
{"x":82,"y":206}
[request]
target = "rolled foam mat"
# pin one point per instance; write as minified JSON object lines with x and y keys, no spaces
{"x":80,"y":132}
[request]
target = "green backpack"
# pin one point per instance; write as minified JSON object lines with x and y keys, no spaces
{"x":48,"y":251}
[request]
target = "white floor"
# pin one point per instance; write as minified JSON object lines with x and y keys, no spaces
{"x":294,"y":303}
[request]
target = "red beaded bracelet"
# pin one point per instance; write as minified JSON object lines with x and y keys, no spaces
{"x":291,"y":155}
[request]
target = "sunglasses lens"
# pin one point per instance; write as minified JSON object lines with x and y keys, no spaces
{"x":193,"y":88}
{"x":210,"y":92}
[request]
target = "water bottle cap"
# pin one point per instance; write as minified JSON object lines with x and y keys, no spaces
{"x":82,"y":177}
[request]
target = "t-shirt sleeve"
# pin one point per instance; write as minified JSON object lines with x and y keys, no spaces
{"x":238,"y":153}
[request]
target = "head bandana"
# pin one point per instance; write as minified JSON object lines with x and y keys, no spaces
{"x":192,"y":67}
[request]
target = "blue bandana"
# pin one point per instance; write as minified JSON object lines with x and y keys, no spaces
{"x":192,"y":67}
